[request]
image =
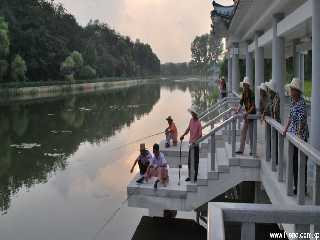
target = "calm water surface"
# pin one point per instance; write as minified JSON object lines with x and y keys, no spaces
{"x":60,"y":178}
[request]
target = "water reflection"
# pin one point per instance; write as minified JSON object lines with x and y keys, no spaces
{"x":59,"y":127}
{"x":39,"y":138}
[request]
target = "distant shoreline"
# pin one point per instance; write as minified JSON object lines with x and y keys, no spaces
{"x":38,"y":92}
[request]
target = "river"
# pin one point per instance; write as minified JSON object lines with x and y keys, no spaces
{"x":60,"y":175}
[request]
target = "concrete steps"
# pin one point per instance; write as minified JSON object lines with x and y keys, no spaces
{"x":229,"y":172}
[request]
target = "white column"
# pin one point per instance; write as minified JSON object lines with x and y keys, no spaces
{"x":235,"y":68}
{"x":296,"y":59}
{"x":278,"y":63}
{"x":315,"y":98}
{"x":259,"y":69}
{"x":229,"y":74}
{"x":301,"y":67}
{"x":249,"y":64}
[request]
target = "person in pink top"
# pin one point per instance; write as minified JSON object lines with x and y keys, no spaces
{"x":195,"y":130}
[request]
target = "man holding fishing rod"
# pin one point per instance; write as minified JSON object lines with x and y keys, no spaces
{"x":195,"y":130}
{"x":143,"y":161}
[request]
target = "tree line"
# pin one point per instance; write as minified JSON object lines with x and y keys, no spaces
{"x":41,"y":41}
{"x":206,"y":51}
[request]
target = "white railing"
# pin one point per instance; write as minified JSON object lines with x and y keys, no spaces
{"x":231,"y":123}
{"x":274,"y":133}
{"x":218,"y":106}
{"x":250,"y":214}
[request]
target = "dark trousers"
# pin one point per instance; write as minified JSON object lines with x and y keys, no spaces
{"x":143,"y":167}
{"x":295,"y":167}
{"x":196,"y":161}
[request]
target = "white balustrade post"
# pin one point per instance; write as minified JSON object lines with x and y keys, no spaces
{"x":254,"y":138}
{"x":289,"y":172}
{"x":273,"y":149}
{"x":213,"y":152}
{"x":234,"y":137}
{"x":280,"y":157}
{"x":267,"y":144}
{"x":248,"y":231}
{"x":301,"y":178}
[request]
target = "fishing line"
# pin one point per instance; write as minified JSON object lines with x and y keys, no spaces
{"x":135,"y":141}
{"x":114,"y":214}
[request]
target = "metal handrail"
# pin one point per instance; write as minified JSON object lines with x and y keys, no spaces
{"x":213,"y":121}
{"x":214,"y":130}
{"x":303,"y":146}
{"x":217,"y":106}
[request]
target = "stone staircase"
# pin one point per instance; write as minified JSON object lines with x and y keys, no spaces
{"x":211,"y":183}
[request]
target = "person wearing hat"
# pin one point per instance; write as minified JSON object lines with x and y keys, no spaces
{"x":247,"y":99}
{"x":195,"y":130}
{"x":223,"y":87}
{"x":274,"y":98}
{"x":171,"y":133}
{"x":263,"y":100}
{"x":297,"y":122}
{"x":143,"y":161}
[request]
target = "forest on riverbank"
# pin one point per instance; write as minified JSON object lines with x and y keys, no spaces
{"x":41,"y":41}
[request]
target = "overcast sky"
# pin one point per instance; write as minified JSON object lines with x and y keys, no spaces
{"x":169,"y":26}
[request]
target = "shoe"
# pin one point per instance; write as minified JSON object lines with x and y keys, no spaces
{"x":155,"y":186}
{"x":295,"y":191}
{"x":239,"y":152}
{"x":167,"y":145}
{"x":187,"y":179}
{"x":140,"y":180}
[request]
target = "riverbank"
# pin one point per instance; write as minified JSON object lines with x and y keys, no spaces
{"x":37,"y":92}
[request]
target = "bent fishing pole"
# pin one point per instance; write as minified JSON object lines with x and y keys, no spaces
{"x":138,"y":140}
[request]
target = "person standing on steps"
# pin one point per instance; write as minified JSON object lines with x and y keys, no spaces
{"x":247,"y":99}
{"x":297,"y":123}
{"x":223,"y":88}
{"x":195,"y":130}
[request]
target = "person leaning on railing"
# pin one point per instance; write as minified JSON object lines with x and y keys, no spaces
{"x":248,"y":100}
{"x":274,"y":108}
{"x":274,"y":98}
{"x":297,"y":122}
{"x":264,"y":101}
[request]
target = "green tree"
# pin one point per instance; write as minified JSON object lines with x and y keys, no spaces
{"x":72,"y":66}
{"x":4,"y":48}
{"x":87,"y":72}
{"x":205,"y":51}
{"x":18,"y":69}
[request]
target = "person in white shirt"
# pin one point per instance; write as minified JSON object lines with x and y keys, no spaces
{"x":158,"y":168}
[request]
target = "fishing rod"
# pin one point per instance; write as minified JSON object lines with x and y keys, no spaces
{"x":180,"y":165}
{"x":138,"y":140}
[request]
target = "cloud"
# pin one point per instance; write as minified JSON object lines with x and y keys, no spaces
{"x":169,"y":26}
